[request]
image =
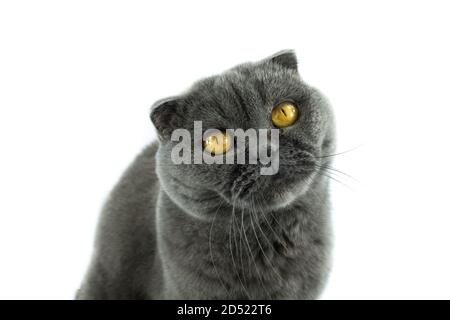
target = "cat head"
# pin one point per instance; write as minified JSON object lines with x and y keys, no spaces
{"x":248,"y":96}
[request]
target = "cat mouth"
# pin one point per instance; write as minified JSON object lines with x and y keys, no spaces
{"x":272,"y":192}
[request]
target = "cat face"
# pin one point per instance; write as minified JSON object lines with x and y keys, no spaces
{"x":268,"y":94}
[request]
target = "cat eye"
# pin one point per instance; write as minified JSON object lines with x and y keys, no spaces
{"x":217,"y":143}
{"x":284,"y":115}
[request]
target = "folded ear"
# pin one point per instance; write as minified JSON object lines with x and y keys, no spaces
{"x":285,"y":58}
{"x":166,"y":116}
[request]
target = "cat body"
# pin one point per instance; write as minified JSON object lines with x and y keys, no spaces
{"x":221,"y":231}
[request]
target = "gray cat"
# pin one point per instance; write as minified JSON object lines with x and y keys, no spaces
{"x":221,"y":231}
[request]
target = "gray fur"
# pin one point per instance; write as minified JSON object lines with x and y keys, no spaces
{"x":170,"y":231}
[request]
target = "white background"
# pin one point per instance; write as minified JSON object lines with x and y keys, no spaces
{"x":77,"y":79}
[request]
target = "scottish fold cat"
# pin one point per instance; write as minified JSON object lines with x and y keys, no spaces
{"x":223,"y":231}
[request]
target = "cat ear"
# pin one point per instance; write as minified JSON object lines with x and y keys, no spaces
{"x":285,"y":58}
{"x":165,"y":115}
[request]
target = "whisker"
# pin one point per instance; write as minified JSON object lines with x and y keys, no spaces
{"x":254,"y":260}
{"x":338,"y":171}
{"x":242,"y":247}
{"x":211,"y":251}
{"x":339,"y":153}
{"x":327,"y":174}
{"x":231,"y":246}
{"x":281,"y":241}
{"x":268,"y":241}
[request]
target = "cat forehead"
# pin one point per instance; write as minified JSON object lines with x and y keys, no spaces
{"x":248,"y":84}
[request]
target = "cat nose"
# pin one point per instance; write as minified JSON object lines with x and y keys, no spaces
{"x":266,"y":147}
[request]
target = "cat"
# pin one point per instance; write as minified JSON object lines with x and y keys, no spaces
{"x":223,"y":231}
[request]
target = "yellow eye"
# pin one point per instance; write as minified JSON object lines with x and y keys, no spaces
{"x":284,"y":114}
{"x":217,"y":143}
